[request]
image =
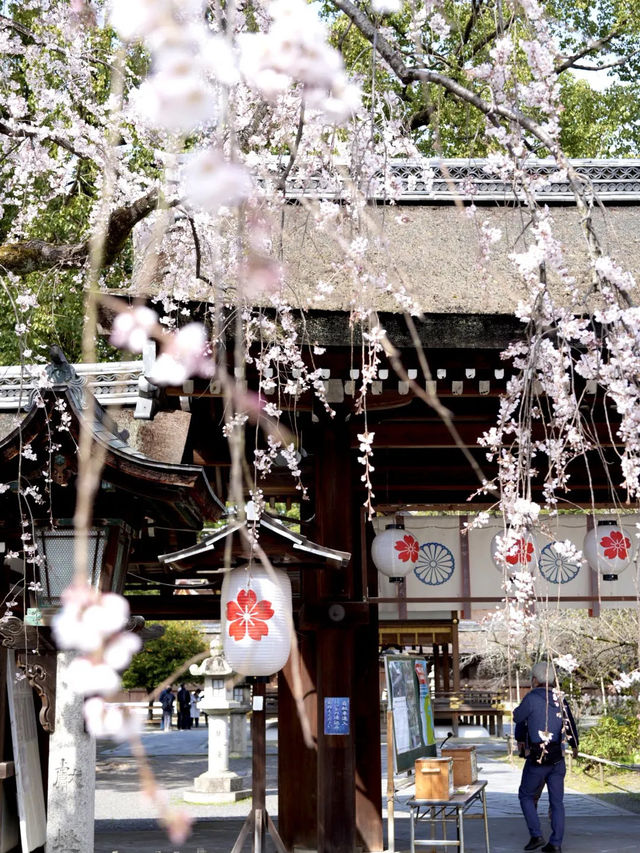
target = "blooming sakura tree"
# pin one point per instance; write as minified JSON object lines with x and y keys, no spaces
{"x":154,"y":139}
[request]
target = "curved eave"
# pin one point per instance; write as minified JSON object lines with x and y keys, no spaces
{"x":184,"y":487}
{"x":302,"y":551}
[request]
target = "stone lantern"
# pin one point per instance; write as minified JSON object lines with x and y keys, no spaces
{"x":227,"y":727}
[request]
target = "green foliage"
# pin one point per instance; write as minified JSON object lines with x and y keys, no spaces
{"x":595,"y":122}
{"x":599,"y":124}
{"x":57,"y":319}
{"x":615,"y":737}
{"x":161,"y":657}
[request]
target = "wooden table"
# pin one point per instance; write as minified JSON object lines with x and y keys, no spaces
{"x":448,"y":811}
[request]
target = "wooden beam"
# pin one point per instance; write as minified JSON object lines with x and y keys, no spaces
{"x":445,"y":667}
{"x":335,"y":649}
{"x":429,"y":434}
{"x":336,"y":764}
{"x":489,"y":599}
{"x":175,"y":606}
{"x":7,"y":770}
{"x":366,"y":709}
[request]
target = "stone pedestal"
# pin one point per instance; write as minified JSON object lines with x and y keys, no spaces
{"x":239,"y":732}
{"x":227,"y":728}
{"x":72,"y":772}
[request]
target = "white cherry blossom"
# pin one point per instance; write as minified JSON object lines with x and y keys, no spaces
{"x":107,"y":720}
{"x":209,"y":181}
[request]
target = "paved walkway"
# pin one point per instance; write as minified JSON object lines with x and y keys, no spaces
{"x":125,"y":820}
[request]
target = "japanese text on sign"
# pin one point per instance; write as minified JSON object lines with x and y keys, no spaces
{"x":336,"y":715}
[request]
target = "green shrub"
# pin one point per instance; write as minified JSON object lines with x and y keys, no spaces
{"x":616,"y":738}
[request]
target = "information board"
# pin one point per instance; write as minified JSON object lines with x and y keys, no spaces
{"x":26,"y":756}
{"x":410,"y":703}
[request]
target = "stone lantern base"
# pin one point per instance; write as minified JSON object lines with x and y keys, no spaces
{"x":223,"y":787}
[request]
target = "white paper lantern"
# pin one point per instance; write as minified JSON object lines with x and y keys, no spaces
{"x":255,"y":612}
{"x":608,"y":549}
{"x":395,"y":552}
{"x":521,"y":553}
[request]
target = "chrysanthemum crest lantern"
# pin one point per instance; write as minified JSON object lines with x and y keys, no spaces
{"x":256,"y":611}
{"x":515,"y":553}
{"x":607,"y":548}
{"x":395,"y":552}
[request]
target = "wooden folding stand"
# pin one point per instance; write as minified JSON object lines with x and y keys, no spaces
{"x":258,"y":819}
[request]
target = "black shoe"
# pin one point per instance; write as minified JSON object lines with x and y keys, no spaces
{"x":551,"y":848}
{"x":534,"y":842}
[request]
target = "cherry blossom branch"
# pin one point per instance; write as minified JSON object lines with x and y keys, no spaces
{"x":41,"y":134}
{"x":489,"y":37}
{"x":615,"y":64}
{"x":31,"y":38}
{"x":407,"y":75}
{"x":294,"y":152}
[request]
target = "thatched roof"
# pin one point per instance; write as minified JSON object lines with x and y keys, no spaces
{"x":432,"y":252}
{"x":435,"y":253}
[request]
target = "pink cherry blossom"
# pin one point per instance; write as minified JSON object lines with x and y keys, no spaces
{"x":186,"y":354}
{"x":87,"y":618}
{"x":131,"y":328}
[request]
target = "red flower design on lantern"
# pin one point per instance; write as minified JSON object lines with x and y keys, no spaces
{"x":615,"y":545}
{"x":248,"y":615}
{"x":407,"y":548}
{"x":520,"y":552}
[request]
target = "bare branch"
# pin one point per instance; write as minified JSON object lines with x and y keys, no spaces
{"x":615,"y":64}
{"x":35,"y":255}
{"x":591,"y":47}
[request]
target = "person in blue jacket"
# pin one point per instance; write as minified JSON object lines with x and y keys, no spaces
{"x":550,"y":724}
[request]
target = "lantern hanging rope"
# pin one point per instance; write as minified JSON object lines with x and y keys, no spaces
{"x":256,"y":612}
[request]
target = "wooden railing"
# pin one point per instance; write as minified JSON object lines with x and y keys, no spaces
{"x":471,"y":707}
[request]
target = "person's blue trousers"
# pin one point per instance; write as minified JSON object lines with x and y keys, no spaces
{"x":534,"y":778}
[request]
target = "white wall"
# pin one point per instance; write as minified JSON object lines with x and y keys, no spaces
{"x":439,"y":554}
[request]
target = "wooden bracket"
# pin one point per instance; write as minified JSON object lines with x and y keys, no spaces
{"x":16,"y":634}
{"x":37,"y":659}
{"x":42,"y":677}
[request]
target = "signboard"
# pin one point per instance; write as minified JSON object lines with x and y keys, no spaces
{"x":410,"y":703}
{"x":336,"y":715}
{"x":26,"y":756}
